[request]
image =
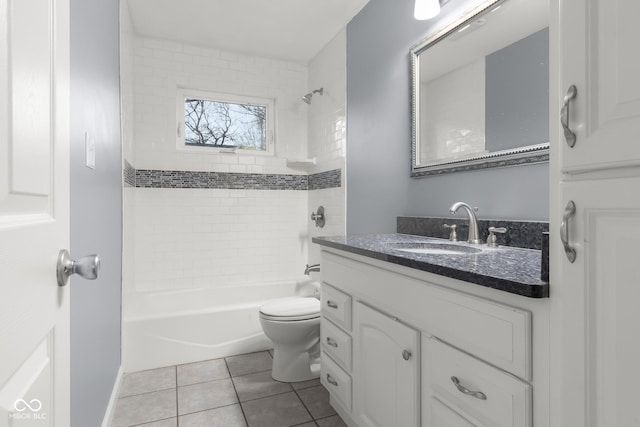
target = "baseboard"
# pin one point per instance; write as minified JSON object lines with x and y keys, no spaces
{"x":111,"y":407}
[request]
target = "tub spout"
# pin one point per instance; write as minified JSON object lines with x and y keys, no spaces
{"x":309,"y":268}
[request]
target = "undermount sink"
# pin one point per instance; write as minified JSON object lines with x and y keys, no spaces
{"x":434,"y":248}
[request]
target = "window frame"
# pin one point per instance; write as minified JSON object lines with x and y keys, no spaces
{"x":183,"y":93}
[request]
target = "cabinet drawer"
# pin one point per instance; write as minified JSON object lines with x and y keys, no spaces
{"x":507,"y":400}
{"x":336,"y":306}
{"x":440,"y":415}
{"x":336,"y":343}
{"x":495,"y":333}
{"x":336,"y":380}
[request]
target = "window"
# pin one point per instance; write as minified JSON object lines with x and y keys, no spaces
{"x":225,"y":123}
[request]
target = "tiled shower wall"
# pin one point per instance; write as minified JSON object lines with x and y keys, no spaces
{"x":215,"y":238}
{"x":162,"y":67}
{"x":327,"y":136}
{"x":184,"y":237}
{"x":127,"y":60}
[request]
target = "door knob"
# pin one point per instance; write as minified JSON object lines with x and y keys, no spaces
{"x":87,"y":267}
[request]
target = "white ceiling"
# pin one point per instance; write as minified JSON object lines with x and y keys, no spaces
{"x":294,"y":30}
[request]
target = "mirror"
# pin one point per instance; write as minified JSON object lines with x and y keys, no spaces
{"x":480,"y":90}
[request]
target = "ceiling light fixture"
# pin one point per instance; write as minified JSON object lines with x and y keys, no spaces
{"x":426,"y":9}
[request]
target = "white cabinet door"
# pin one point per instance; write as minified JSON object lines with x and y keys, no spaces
{"x":385,"y":370}
{"x":34,"y":212}
{"x":597,"y":306}
{"x":599,"y":55}
{"x":594,"y":300}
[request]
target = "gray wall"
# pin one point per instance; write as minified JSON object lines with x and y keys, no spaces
{"x":96,"y":207}
{"x":378,"y":133}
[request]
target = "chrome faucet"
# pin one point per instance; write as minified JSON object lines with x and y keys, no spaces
{"x":309,"y":268}
{"x":473,"y":221}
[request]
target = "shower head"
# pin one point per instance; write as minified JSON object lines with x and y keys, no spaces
{"x":307,"y":97}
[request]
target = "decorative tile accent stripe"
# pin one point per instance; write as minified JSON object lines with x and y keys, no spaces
{"x":129,"y":174}
{"x":151,"y":178}
{"x":328,"y":179}
{"x":239,"y":181}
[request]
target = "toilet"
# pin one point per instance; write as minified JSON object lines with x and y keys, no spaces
{"x":293,"y":325}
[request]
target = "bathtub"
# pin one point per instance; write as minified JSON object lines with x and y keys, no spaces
{"x":173,"y":327}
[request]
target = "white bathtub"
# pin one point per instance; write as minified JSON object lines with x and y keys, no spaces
{"x":174,"y":327}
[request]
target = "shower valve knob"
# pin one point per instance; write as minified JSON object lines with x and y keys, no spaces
{"x":318,"y":217}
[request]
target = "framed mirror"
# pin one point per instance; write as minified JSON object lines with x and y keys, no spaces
{"x":480,"y":90}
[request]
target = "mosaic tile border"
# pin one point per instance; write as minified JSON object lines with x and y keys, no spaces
{"x":129,"y":174}
{"x":152,"y":178}
{"x":235,"y":181}
{"x":328,"y":179}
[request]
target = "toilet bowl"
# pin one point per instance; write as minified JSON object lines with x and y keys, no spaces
{"x":293,"y":325}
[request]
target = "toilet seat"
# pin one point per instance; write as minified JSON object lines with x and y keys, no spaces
{"x":291,"y":309}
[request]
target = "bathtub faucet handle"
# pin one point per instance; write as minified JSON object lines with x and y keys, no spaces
{"x":318,"y":217}
{"x":309,"y":268}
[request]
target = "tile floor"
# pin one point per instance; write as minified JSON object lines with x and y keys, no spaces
{"x":236,"y":391}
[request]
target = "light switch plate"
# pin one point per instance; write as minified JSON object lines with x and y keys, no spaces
{"x":90,"y":150}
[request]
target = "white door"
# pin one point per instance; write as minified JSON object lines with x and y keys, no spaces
{"x":34,"y":212}
{"x":385,"y":370}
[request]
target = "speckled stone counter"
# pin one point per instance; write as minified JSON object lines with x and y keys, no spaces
{"x":508,"y":269}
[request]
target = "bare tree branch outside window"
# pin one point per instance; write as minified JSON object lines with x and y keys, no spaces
{"x":225,"y":124}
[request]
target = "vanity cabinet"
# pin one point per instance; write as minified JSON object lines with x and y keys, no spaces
{"x":595,"y":200}
{"x":411,"y":333}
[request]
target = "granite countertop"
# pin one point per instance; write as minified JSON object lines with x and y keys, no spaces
{"x":509,"y":269}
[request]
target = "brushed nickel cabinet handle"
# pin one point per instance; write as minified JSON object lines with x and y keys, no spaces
{"x":477,"y":394}
{"x":569,"y":211}
{"x":332,"y":304}
{"x":332,"y":342}
{"x":569,"y":135}
{"x":332,"y":381}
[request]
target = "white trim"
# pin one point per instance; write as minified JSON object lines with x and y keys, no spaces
{"x":224,"y":97}
{"x":111,"y":407}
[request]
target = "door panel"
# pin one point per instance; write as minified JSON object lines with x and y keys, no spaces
{"x":34,"y":211}
{"x":31,"y":91}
